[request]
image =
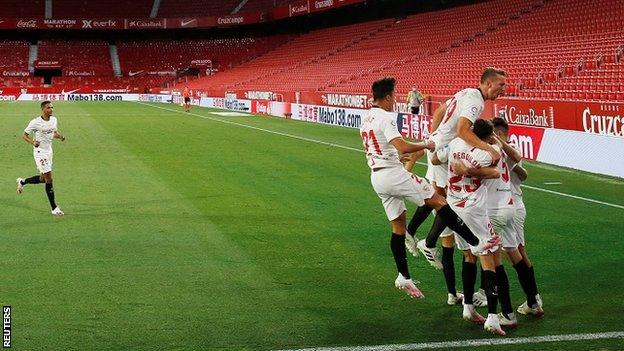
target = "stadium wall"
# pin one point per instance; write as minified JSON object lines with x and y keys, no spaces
{"x":561,"y":133}
{"x":581,"y":135}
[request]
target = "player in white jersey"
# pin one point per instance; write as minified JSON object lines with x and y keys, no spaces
{"x":455,"y":119}
{"x":468,"y":197}
{"x":45,"y":129}
{"x":383,"y":144}
{"x":501,"y":210}
{"x":515,"y":244}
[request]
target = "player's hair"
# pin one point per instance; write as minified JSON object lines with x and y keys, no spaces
{"x":500,"y":123}
{"x":482,"y":128}
{"x":383,"y":87}
{"x":45,"y":103}
{"x":491,"y":72}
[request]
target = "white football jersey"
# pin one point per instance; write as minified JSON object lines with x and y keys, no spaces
{"x":464,"y":191}
{"x":515,"y":180}
{"x":499,"y":189}
{"x":378,"y":129}
{"x":44,"y":132}
{"x":466,"y":103}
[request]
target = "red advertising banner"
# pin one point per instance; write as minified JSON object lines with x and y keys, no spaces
{"x":280,"y":12}
{"x":145,"y":23}
{"x":49,"y":64}
{"x":9,"y":94}
{"x":201,"y":63}
{"x":182,"y":23}
{"x":601,"y":118}
{"x":604,"y":118}
{"x":102,"y":23}
{"x":15,"y":73}
{"x":323,"y":5}
{"x":60,"y":23}
{"x":527,"y":139}
{"x":240,"y":19}
{"x":261,"y":107}
{"x":336,"y":99}
{"x":298,"y":8}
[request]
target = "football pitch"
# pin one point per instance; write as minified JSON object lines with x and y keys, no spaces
{"x":205,"y":232}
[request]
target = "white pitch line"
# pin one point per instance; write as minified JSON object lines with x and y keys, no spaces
{"x":472,"y":342}
{"x":574,"y":196}
{"x":360,"y":150}
{"x":256,"y":128}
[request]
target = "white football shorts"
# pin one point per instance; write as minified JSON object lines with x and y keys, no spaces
{"x":479,"y":223}
{"x":43,"y":162}
{"x":436,"y":174}
{"x":518,"y":220}
{"x":394,"y":185}
{"x":503,"y":221}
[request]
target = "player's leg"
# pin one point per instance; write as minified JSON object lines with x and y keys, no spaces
{"x":21,"y":182}
{"x":456,"y":224}
{"x":422,"y":212}
{"x":489,"y":263}
{"x":533,"y":305}
{"x":49,"y":189}
{"x":390,"y":185}
{"x":469,"y":277}
{"x":40,"y":162}
{"x":479,"y":298}
{"x":448,"y":268}
{"x":501,"y":222}
{"x":397,"y":246}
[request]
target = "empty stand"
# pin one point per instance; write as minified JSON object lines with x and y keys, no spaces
{"x":194,"y":8}
{"x":564,"y":49}
{"x":20,"y":9}
{"x":78,"y":56}
{"x":100,"y":8}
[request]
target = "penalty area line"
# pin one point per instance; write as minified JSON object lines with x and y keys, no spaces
{"x":358,"y":150}
{"x":473,"y":342}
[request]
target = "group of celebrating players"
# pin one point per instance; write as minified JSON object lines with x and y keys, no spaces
{"x":473,"y":185}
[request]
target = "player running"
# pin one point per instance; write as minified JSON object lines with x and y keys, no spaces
{"x":45,"y":130}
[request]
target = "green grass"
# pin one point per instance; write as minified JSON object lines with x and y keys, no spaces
{"x":184,"y":233}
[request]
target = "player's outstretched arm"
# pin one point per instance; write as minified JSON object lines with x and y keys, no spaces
{"x":483,"y":172}
{"x":406,"y":147}
{"x":410,"y":159}
{"x":30,"y":140}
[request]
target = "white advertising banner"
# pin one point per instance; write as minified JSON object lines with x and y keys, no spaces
{"x":338,"y":116}
{"x":96,"y":97}
{"x":584,"y":151}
